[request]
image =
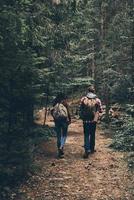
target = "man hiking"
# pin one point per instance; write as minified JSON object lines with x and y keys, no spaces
{"x":90,"y":108}
{"x":62,"y":119}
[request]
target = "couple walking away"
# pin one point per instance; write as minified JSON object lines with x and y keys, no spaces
{"x":90,"y":107}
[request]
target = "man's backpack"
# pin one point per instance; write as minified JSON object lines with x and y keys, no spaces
{"x":88,"y":109}
{"x":59,"y":112}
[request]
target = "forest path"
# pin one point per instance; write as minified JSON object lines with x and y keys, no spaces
{"x":103,"y":176}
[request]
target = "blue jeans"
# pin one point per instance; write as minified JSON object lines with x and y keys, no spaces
{"x":61,"y":130}
{"x":89,"y":136}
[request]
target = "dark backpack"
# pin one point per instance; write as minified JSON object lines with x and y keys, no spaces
{"x":88,"y":109}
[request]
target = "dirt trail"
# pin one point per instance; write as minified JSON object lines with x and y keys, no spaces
{"x":104,"y":176}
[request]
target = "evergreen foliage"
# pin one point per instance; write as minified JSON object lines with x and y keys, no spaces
{"x":124,"y":138}
{"x":58,"y":45}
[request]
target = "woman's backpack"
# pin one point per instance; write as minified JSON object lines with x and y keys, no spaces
{"x":59,"y":112}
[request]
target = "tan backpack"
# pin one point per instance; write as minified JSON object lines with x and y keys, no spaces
{"x":59,"y":112}
{"x":88,"y":109}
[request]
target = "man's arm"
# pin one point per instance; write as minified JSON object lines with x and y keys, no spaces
{"x":100,"y":109}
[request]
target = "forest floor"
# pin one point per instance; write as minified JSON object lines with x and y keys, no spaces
{"x":103,"y":176}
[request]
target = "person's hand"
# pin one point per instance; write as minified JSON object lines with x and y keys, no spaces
{"x":69,"y":122}
{"x":94,"y":122}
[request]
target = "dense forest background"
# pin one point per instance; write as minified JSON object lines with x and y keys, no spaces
{"x":48,"y":46}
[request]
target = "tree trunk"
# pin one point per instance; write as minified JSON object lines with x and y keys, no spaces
{"x":45,"y":115}
{"x":131,"y":5}
{"x":107,"y":110}
{"x":103,"y":37}
{"x":93,"y":62}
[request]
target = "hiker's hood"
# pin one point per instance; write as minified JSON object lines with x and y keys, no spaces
{"x":91,"y":95}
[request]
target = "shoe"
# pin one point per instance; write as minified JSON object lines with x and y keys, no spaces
{"x":93,"y":151}
{"x":60,"y":154}
{"x":86,"y":154}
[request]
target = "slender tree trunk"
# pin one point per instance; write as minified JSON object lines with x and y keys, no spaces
{"x":88,"y":71}
{"x":131,"y":14}
{"x":107,"y":101}
{"x":46,"y":106}
{"x":93,"y":62}
{"x":103,"y":38}
{"x":103,"y":24}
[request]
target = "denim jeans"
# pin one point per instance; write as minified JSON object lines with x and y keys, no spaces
{"x":89,"y":135}
{"x":61,"y":130}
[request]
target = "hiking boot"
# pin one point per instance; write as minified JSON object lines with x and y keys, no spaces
{"x":93,"y":151}
{"x":86,"y":154}
{"x":60,"y":154}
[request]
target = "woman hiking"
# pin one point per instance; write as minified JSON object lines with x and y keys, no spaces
{"x":62,"y":119}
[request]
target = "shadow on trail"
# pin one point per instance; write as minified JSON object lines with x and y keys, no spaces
{"x":48,"y":149}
